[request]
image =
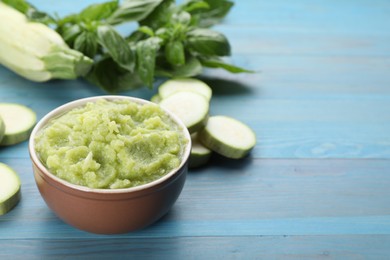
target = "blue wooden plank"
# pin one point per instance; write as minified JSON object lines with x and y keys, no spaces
{"x":322,"y":16}
{"x":253,"y":247}
{"x":248,"y":198}
{"x":300,"y":76}
{"x":268,"y":41}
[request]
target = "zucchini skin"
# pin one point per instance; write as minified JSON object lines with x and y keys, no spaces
{"x":8,"y":204}
{"x":2,"y":128}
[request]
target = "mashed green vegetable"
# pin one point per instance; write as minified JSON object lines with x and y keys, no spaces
{"x":111,"y":144}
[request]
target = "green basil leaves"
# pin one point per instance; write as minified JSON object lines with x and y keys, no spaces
{"x":208,"y":42}
{"x":133,"y":10}
{"x":171,"y":40}
{"x":146,"y":59}
{"x":116,"y":47}
{"x":100,"y":11}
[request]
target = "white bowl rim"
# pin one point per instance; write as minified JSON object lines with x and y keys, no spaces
{"x":79,"y":103}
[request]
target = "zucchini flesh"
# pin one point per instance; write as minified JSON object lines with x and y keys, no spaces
{"x":19,"y":121}
{"x":190,"y":107}
{"x":184,"y":84}
{"x":228,"y":137}
{"x":9,"y":189}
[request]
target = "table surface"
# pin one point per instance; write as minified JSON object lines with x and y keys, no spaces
{"x":316,"y":185}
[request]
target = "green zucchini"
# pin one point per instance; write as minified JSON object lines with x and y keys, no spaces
{"x":35,"y":51}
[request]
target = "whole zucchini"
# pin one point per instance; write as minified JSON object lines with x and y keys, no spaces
{"x":35,"y":51}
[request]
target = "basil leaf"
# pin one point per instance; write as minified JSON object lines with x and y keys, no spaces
{"x":160,"y":16}
{"x":215,"y":62}
{"x":116,"y":46}
{"x":86,"y":43}
{"x":99,"y":11}
{"x":217,"y":10}
{"x":194,"y":5}
{"x":108,"y":75}
{"x":163,"y":33}
{"x":136,"y":36}
{"x":174,"y":53}
{"x":71,"y":19}
{"x":70,"y":33}
{"x":146,"y":59}
{"x":133,"y":10}
{"x":192,"y":68}
{"x":146,"y":30}
{"x":181,"y":17}
{"x":208,"y":42}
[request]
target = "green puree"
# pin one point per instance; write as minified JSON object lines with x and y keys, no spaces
{"x":111,"y":144}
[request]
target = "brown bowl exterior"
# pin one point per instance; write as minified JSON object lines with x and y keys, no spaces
{"x":106,"y":211}
{"x":110,"y":213}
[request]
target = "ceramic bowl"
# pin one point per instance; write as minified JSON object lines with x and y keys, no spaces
{"x":108,"y":211}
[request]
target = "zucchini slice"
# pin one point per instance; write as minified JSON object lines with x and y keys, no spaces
{"x":228,"y":137}
{"x":200,"y":154}
{"x":156,"y":99}
{"x":190,"y":107}
{"x":2,"y":128}
{"x":19,"y":121}
{"x":9,"y":189}
{"x":173,"y":86}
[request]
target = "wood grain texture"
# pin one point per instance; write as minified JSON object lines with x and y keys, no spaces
{"x":316,"y":185}
{"x":249,"y":198}
{"x":257,"y":247}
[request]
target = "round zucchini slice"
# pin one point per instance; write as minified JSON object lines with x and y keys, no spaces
{"x":190,"y":107}
{"x":19,"y":121}
{"x":228,"y":137}
{"x":9,"y":188}
{"x":173,"y":86}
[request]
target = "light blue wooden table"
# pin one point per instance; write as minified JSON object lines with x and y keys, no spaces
{"x":316,"y":186}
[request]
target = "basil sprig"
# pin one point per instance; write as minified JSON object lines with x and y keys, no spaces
{"x":171,"y":40}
